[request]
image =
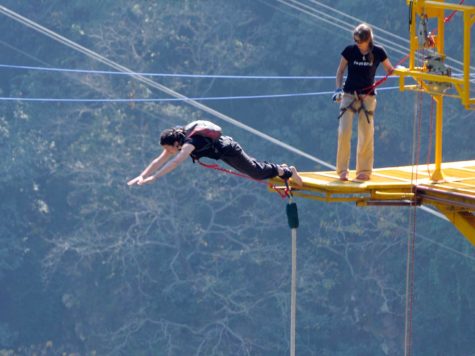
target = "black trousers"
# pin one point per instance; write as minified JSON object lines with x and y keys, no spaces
{"x":233,"y":154}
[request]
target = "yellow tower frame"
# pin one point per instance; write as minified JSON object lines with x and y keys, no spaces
{"x":424,"y":9}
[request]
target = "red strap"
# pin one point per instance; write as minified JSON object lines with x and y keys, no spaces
{"x":283,"y":193}
{"x":449,"y":18}
{"x":382,"y":80}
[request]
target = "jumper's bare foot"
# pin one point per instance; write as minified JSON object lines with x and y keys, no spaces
{"x":296,"y":178}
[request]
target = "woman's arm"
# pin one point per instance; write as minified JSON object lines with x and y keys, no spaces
{"x":340,"y":72}
{"x":388,"y":67}
{"x":152,"y":167}
{"x":184,"y":153}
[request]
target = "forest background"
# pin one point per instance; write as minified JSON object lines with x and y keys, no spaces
{"x":199,"y":262}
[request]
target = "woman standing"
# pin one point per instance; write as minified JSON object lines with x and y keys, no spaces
{"x":357,"y":95}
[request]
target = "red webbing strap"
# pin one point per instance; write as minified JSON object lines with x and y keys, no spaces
{"x":286,"y":193}
{"x":382,"y":80}
{"x":449,"y":18}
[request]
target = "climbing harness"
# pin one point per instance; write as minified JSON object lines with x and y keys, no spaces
{"x":361,"y":97}
{"x":357,"y":99}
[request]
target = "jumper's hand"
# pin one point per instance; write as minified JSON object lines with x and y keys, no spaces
{"x":147,"y":180}
{"x":137,"y":180}
{"x":337,"y":95}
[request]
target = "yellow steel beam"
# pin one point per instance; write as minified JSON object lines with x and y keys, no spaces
{"x":438,"y":175}
{"x":447,"y":6}
{"x":378,"y":195}
{"x":440,"y":31}
{"x":417,"y":73}
{"x":328,"y":198}
{"x":467,"y":20}
{"x":413,"y":45}
{"x":424,"y":89}
{"x":463,"y":221}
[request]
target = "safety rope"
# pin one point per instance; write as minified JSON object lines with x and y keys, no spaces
{"x":418,"y":103}
{"x":284,"y":193}
{"x":410,"y":259}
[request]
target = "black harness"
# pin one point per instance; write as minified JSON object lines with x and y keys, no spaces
{"x":351,"y":107}
{"x":210,"y":145}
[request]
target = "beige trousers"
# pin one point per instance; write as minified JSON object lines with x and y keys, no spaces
{"x":365,"y":149}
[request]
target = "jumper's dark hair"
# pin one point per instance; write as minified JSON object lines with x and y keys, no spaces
{"x":170,"y":136}
{"x":364,"y":32}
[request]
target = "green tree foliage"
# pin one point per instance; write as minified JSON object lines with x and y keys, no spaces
{"x":199,"y":262}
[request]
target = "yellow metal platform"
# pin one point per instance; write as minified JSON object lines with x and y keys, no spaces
{"x":408,"y":185}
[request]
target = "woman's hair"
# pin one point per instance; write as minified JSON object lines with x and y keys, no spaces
{"x":170,"y":136}
{"x":364,"y":32}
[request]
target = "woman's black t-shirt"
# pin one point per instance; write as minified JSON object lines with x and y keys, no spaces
{"x":361,"y":71}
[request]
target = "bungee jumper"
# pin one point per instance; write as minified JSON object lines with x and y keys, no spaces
{"x":203,"y":138}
